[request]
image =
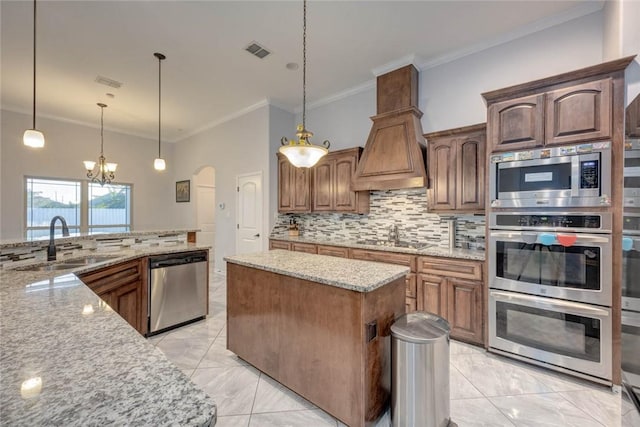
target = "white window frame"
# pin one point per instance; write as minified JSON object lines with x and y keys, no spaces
{"x":84,"y":205}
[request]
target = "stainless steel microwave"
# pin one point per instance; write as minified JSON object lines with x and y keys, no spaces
{"x":572,"y":176}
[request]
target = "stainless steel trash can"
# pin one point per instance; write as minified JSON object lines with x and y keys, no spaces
{"x":420,"y":371}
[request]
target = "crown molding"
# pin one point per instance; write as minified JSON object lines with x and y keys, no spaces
{"x":369,"y":84}
{"x":92,"y":125}
{"x":224,"y":119}
{"x":280,"y":105}
{"x":411,"y":59}
{"x":575,"y":12}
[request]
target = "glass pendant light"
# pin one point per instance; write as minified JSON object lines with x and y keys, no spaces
{"x":105,"y":172}
{"x":33,"y":137}
{"x":159,"y":163}
{"x":301,"y":152}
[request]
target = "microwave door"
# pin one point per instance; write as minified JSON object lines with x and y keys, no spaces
{"x":541,"y":178}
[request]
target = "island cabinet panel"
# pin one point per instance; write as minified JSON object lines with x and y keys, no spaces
{"x":516,"y":124}
{"x":338,"y":251}
{"x":452,"y":288}
{"x":124,"y":288}
{"x":579,"y":113}
{"x":282,"y":326}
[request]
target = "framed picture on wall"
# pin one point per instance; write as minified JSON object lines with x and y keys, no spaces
{"x":183,"y":191}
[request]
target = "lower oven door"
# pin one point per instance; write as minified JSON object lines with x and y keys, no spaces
{"x":570,"y":335}
{"x":571,"y":266}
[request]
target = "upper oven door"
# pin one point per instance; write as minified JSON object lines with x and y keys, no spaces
{"x":574,"y":267}
{"x":552,"y":182}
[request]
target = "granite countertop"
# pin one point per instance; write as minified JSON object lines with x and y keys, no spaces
{"x":66,"y":358}
{"x":355,"y":275}
{"x":471,"y":254}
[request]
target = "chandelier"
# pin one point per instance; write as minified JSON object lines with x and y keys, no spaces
{"x":104,"y":173}
{"x":301,"y":152}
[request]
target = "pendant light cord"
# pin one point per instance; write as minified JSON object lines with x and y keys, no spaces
{"x":34,"y":64}
{"x":101,"y":131}
{"x":304,"y":64}
{"x":159,"y":103}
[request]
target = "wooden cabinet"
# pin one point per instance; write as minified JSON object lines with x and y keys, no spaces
{"x":516,"y":124}
{"x":456,"y":160}
{"x":279,"y":244}
{"x":338,"y":251}
{"x":309,"y":248}
{"x":124,"y":288}
{"x":632,"y":119}
{"x":453,"y":289}
{"x":332,"y":178}
{"x":566,"y":115}
{"x":394,"y":258}
{"x":294,"y":187}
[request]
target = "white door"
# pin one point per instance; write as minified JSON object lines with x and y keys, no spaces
{"x":206,"y":214}
{"x":249,"y":222}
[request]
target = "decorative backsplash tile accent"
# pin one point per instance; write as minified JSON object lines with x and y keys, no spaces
{"x":405,"y":208}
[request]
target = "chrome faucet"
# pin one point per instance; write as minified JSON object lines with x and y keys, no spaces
{"x":393,"y":234}
{"x":51,"y":249}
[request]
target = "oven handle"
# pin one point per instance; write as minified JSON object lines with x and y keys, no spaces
{"x":540,"y":302}
{"x":575,"y":176}
{"x":519,"y":236}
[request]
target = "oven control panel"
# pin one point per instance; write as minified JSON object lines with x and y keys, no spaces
{"x":551,"y":221}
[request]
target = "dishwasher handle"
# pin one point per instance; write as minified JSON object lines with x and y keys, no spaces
{"x":172,"y":260}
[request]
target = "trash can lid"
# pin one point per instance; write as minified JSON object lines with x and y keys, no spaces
{"x":420,"y":327}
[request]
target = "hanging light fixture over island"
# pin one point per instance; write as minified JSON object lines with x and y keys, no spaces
{"x":159,"y":163}
{"x":33,"y":137}
{"x":105,"y":172}
{"x":301,"y":152}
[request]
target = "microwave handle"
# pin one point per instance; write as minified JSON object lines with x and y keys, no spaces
{"x":575,"y":176}
{"x":541,"y":302}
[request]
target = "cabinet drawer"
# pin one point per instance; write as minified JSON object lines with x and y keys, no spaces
{"x":309,"y":248}
{"x":388,"y":257}
{"x":411,"y":281}
{"x":109,"y":278}
{"x":333,"y":251}
{"x":279,"y":244}
{"x":450,"y":267}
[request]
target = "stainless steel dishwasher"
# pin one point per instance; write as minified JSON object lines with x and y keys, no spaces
{"x":177,"y":289}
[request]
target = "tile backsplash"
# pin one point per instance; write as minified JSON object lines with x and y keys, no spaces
{"x":405,"y":208}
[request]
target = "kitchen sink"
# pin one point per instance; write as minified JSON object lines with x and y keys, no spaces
{"x":68,"y":264}
{"x":400,"y":244}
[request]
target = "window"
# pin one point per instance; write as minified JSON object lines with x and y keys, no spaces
{"x":87,"y":207}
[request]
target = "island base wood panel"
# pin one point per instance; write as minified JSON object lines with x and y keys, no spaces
{"x":313,"y":338}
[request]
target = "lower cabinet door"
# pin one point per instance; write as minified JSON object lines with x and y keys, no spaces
{"x":410,"y":305}
{"x":464,"y":309}
{"x":431,"y":292}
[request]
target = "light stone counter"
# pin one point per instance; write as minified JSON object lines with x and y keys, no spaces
{"x":469,"y":254}
{"x":355,"y":275}
{"x":67,"y":359}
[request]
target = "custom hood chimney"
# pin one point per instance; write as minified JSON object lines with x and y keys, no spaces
{"x":393,"y":157}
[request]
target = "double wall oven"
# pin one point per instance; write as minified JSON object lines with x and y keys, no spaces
{"x":549,"y":258}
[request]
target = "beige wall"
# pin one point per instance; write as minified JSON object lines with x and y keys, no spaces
{"x":67,"y":145}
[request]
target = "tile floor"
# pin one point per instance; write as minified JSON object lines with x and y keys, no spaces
{"x":486,"y":389}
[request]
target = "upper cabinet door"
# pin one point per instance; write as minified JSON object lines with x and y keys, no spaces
{"x":301,"y":184}
{"x":323,"y":185}
{"x":285,"y":192}
{"x":579,"y":113}
{"x":470,"y":168}
{"x":632,"y":118}
{"x":442,"y":174}
{"x":345,"y":169}
{"x":516,"y":124}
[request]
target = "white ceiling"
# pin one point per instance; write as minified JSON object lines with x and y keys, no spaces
{"x":207,"y":75}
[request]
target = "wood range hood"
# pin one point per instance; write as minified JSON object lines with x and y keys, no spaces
{"x":393,"y":157}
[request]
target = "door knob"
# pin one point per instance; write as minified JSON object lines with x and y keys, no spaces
{"x":256,"y":235}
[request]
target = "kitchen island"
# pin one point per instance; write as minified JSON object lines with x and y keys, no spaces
{"x":66,"y":358}
{"x":318,"y":324}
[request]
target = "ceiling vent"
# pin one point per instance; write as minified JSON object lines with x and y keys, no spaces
{"x":108,"y":82}
{"x":257,"y":50}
